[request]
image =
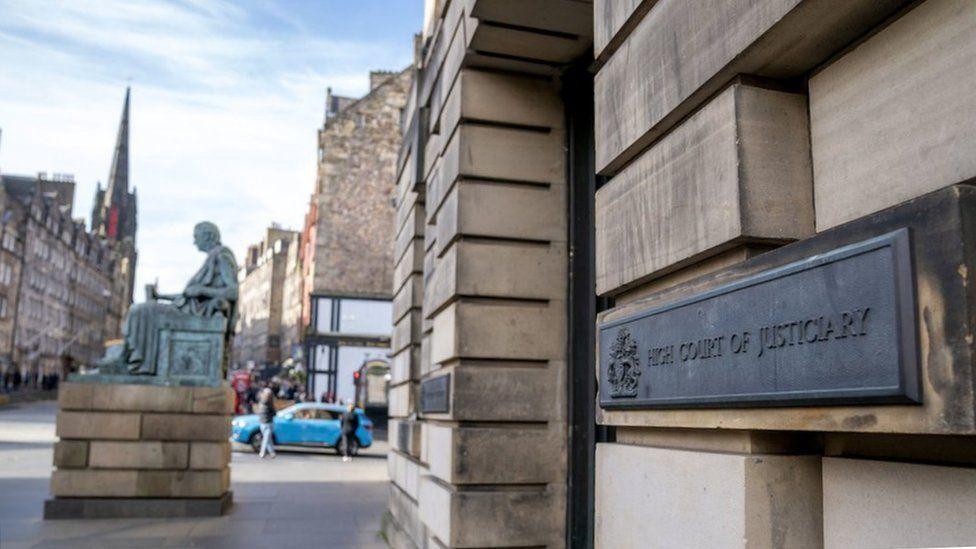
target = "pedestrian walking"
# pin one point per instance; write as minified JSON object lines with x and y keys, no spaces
{"x":350,"y":423}
{"x":266,"y":414}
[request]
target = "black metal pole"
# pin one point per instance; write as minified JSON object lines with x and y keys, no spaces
{"x":581,"y":317}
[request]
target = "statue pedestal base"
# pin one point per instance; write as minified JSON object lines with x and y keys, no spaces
{"x":111,"y":508}
{"x":137,"y":450}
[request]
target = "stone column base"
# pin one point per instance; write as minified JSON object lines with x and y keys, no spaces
{"x":112,"y":508}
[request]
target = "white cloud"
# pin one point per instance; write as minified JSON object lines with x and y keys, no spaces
{"x":223,"y":114}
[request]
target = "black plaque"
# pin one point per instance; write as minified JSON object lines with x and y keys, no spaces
{"x":435,"y":395}
{"x":835,"y":328}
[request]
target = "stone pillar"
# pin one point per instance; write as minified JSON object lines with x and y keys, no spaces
{"x":129,"y":451}
{"x":480,"y":451}
{"x":495,"y":299}
{"x":404,"y":461}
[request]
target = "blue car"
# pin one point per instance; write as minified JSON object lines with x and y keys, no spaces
{"x":304,"y":424}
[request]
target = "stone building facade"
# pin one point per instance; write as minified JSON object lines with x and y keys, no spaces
{"x":291,"y":302}
{"x":11,"y":259}
{"x":65,"y":290}
{"x":353,"y":196}
{"x":745,"y":227}
{"x":261,"y":311}
{"x":64,"y":301}
{"x":347,"y":259}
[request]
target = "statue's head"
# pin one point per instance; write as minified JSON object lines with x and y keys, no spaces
{"x":206,"y":235}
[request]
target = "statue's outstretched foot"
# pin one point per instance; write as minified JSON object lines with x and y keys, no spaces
{"x":112,"y":362}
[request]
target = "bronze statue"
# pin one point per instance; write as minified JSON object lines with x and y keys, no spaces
{"x":211,"y":295}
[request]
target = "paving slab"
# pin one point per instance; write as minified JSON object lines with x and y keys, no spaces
{"x":277,"y":502}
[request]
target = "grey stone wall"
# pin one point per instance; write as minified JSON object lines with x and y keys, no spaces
{"x":65,"y":304}
{"x":353,"y":250}
{"x":261,"y":303}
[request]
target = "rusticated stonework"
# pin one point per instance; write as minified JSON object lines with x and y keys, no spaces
{"x":353,"y":202}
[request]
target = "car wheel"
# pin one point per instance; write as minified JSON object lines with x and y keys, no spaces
{"x":255,"y":441}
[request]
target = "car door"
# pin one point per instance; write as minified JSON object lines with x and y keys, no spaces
{"x":326,"y":430}
{"x":288,"y":426}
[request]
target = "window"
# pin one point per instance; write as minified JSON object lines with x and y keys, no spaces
{"x":3,"y":307}
{"x":366,"y":316}
{"x":323,"y":314}
{"x":303,"y":413}
{"x":322,"y":413}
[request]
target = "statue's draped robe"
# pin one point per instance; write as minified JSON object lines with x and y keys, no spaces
{"x":141,"y":329}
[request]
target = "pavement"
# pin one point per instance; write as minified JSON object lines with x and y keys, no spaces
{"x":301,"y":498}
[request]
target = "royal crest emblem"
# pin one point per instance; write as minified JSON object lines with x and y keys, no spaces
{"x":623,"y":371}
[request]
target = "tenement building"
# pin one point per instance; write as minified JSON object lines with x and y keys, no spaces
{"x":63,"y":283}
{"x":262,"y":317}
{"x":347,"y":254}
{"x":11,"y":258}
{"x":291,"y":303}
{"x":64,"y":290}
{"x":686,"y":274}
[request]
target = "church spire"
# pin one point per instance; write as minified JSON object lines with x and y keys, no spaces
{"x":114,"y":213}
{"x":118,"y":177}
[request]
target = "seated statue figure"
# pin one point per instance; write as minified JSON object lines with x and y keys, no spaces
{"x":209,"y":299}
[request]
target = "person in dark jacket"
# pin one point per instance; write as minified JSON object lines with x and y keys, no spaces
{"x":350,"y":423}
{"x":266,"y":414}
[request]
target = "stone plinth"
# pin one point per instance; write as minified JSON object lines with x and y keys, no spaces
{"x":130,"y":451}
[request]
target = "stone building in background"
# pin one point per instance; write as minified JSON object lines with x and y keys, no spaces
{"x":347,"y":249}
{"x":291,"y":302}
{"x":262,"y":317}
{"x":746,"y":229}
{"x":64,"y":290}
{"x":64,"y":301}
{"x":11,"y":259}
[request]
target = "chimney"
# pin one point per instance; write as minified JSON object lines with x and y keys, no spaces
{"x":378,"y":77}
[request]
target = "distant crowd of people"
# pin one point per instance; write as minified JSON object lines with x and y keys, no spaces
{"x":248,"y":394}
{"x":15,"y":381}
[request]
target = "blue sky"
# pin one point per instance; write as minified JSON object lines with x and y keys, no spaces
{"x":226,"y":100}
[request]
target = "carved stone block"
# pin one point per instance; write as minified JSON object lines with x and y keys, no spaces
{"x":496,"y":455}
{"x":892,"y":119}
{"x":748,"y":499}
{"x":698,"y":49}
{"x":738,"y":170}
{"x":523,"y":516}
{"x":471,"y":328}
